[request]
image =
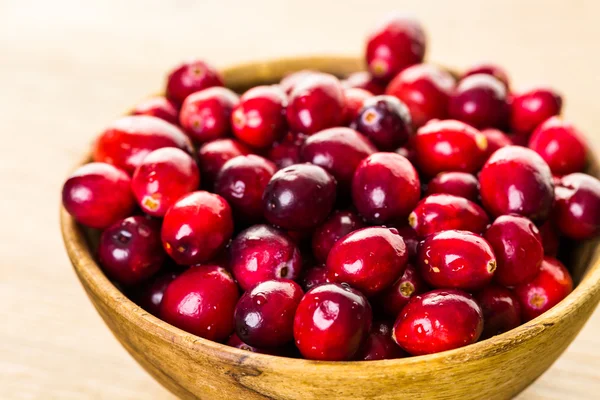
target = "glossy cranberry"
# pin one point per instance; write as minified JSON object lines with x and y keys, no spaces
{"x":547,"y":289}
{"x":201,"y":301}
{"x":379,"y":345}
{"x":191,"y":77}
{"x":480,"y":101}
{"x":439,"y":320}
{"x":385,"y":188}
{"x":395,"y":43}
{"x":516,"y":180}
{"x":162,"y":178}
{"x":577,"y":208}
{"x":393,"y":299}
{"x":316,"y":103}
{"x":149,"y":294}
{"x":206,"y":115}
{"x":385,"y":120}
{"x":97,"y":195}
{"x":197,"y":227}
{"x":128,"y":140}
{"x":299,"y":197}
{"x":326,"y":235}
{"x":425,"y":89}
{"x":286,"y":152}
{"x":440,"y":212}
{"x":517,"y":244}
{"x":496,"y":139}
{"x":261,"y":253}
{"x":235,"y":341}
{"x":459,"y":184}
{"x":158,"y":106}
{"x":314,"y":276}
{"x":489,"y":69}
{"x":241,"y":182}
{"x":331,"y":323}
{"x":355,"y":99}
{"x":449,"y":145}
{"x":289,"y":82}
{"x":213,"y":155}
{"x":550,"y":239}
{"x":364,"y":80}
{"x":529,"y":109}
{"x":501,"y":310}
{"x":561,"y":145}
{"x":411,"y":240}
{"x":456,"y":259}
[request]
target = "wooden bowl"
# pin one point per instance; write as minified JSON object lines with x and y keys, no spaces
{"x":192,"y":367}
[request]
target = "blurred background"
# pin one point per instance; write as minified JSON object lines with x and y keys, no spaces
{"x":67,"y":68}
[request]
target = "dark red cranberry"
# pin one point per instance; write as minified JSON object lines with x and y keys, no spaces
{"x":395,"y":43}
{"x":456,"y":259}
{"x":158,"y":106}
{"x":241,"y":182}
{"x":316,"y":103}
{"x":331,"y":322}
{"x":206,"y":115}
{"x":162,"y":178}
{"x":501,"y":310}
{"x":299,"y":197}
{"x":201,"y":301}
{"x":411,"y":240}
{"x":425,"y":89}
{"x":235,"y":341}
{"x":529,"y":109}
{"x":459,"y":184}
{"x":550,"y":239}
{"x":516,"y":180}
{"x":289,"y":82}
{"x":326,"y":235}
{"x":439,"y":320}
{"x":379,"y":345}
{"x":517,"y":244}
{"x":385,"y":188}
{"x":213,"y":155}
{"x":314,"y":276}
{"x":393,"y":299}
{"x":489,"y":69}
{"x":191,"y":77}
{"x":552,"y":284}
{"x":355,"y":99}
{"x":149,"y":294}
{"x":197,"y":227}
{"x":364,"y":80}
{"x":577,"y":208}
{"x":519,"y":140}
{"x":385,"y":120}
{"x":496,"y":139}
{"x":97,"y":195}
{"x":261,"y":253}
{"x":408,"y":151}
{"x":286,"y":152}
{"x":480,"y":101}
{"x":128,"y":140}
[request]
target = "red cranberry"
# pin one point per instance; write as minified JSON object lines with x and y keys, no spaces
{"x":516,"y":180}
{"x":517,"y":244}
{"x":408,"y":151}
{"x":439,"y":320}
{"x":496,"y":139}
{"x":396,"y":42}
{"x":459,"y":184}
{"x":547,"y":289}
{"x":489,"y":69}
{"x":149,"y":294}
{"x":411,"y":240}
{"x":501,"y":310}
{"x":379,"y":345}
{"x":162,"y":178}
{"x":316,"y":103}
{"x":393,"y":299}
{"x":205,"y":115}
{"x":561,"y":145}
{"x":197,"y":227}
{"x":519,"y":140}
{"x":440,"y":212}
{"x":369,"y":259}
{"x":286,"y":152}
{"x":213,"y":155}
{"x":550,"y":239}
{"x":355,"y":99}
{"x":529,"y":109}
{"x":201,"y":301}
{"x":364,"y":80}
{"x":264,"y":316}
{"x":241,"y":182}
{"x":577,"y":209}
{"x":235,"y":341}
{"x":128,"y":140}
{"x":261,"y":253}
{"x":289,"y":82}
{"x":299,"y":197}
{"x":331,"y":322}
{"x":480,"y":101}
{"x":326,"y":235}
{"x":385,"y":188}
{"x":314,"y":276}
{"x":425,"y":89}
{"x":160,"y":107}
{"x":386,"y":121}
{"x":97,"y":195}
{"x":456,"y":259}
{"x":191,"y":77}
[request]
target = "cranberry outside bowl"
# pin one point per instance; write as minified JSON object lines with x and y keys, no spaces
{"x":192,"y":367}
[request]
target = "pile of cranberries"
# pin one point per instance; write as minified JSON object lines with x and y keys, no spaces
{"x":404,"y":210}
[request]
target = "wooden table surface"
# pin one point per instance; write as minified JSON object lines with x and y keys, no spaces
{"x":68,"y":67}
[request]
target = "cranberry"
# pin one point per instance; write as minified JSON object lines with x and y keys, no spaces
{"x":369,"y":259}
{"x":496,"y":139}
{"x":577,"y":209}
{"x":456,"y":259}
{"x":160,"y":107}
{"x":241,"y":182}
{"x":408,"y":151}
{"x":550,"y":239}
{"x":411,"y":240}
{"x":97,"y":195}
{"x":235,"y":341}
{"x":314,"y":276}
{"x":261,"y":253}
{"x":517,"y":244}
{"x":489,"y":69}
{"x":519,"y":140}
{"x":149,"y":294}
{"x":201,"y":301}
{"x":385,"y":188}
{"x":379,"y":345}
{"x":197,"y":227}
{"x":355,"y":99}
{"x":393,"y":299}
{"x":205,"y":115}
{"x":561,"y":145}
{"x":439,"y":320}
{"x":326,"y":235}
{"x":547,"y":289}
{"x":440,"y":212}
{"x":289,"y":82}
{"x":396,"y":42}
{"x":364,"y":80}
{"x":480,"y":100}
{"x":529,"y":109}
{"x":191,"y":77}
{"x":425,"y":89}
{"x":264,"y":316}
{"x":517,"y":180}
{"x":316,"y":103}
{"x":501,"y":310}
{"x":213,"y":155}
{"x":299,"y":197}
{"x":386,"y":121}
{"x":449,"y":145}
{"x":286,"y":152}
{"x":459,"y":184}
{"x":331,"y":322}
{"x":128,"y":140}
